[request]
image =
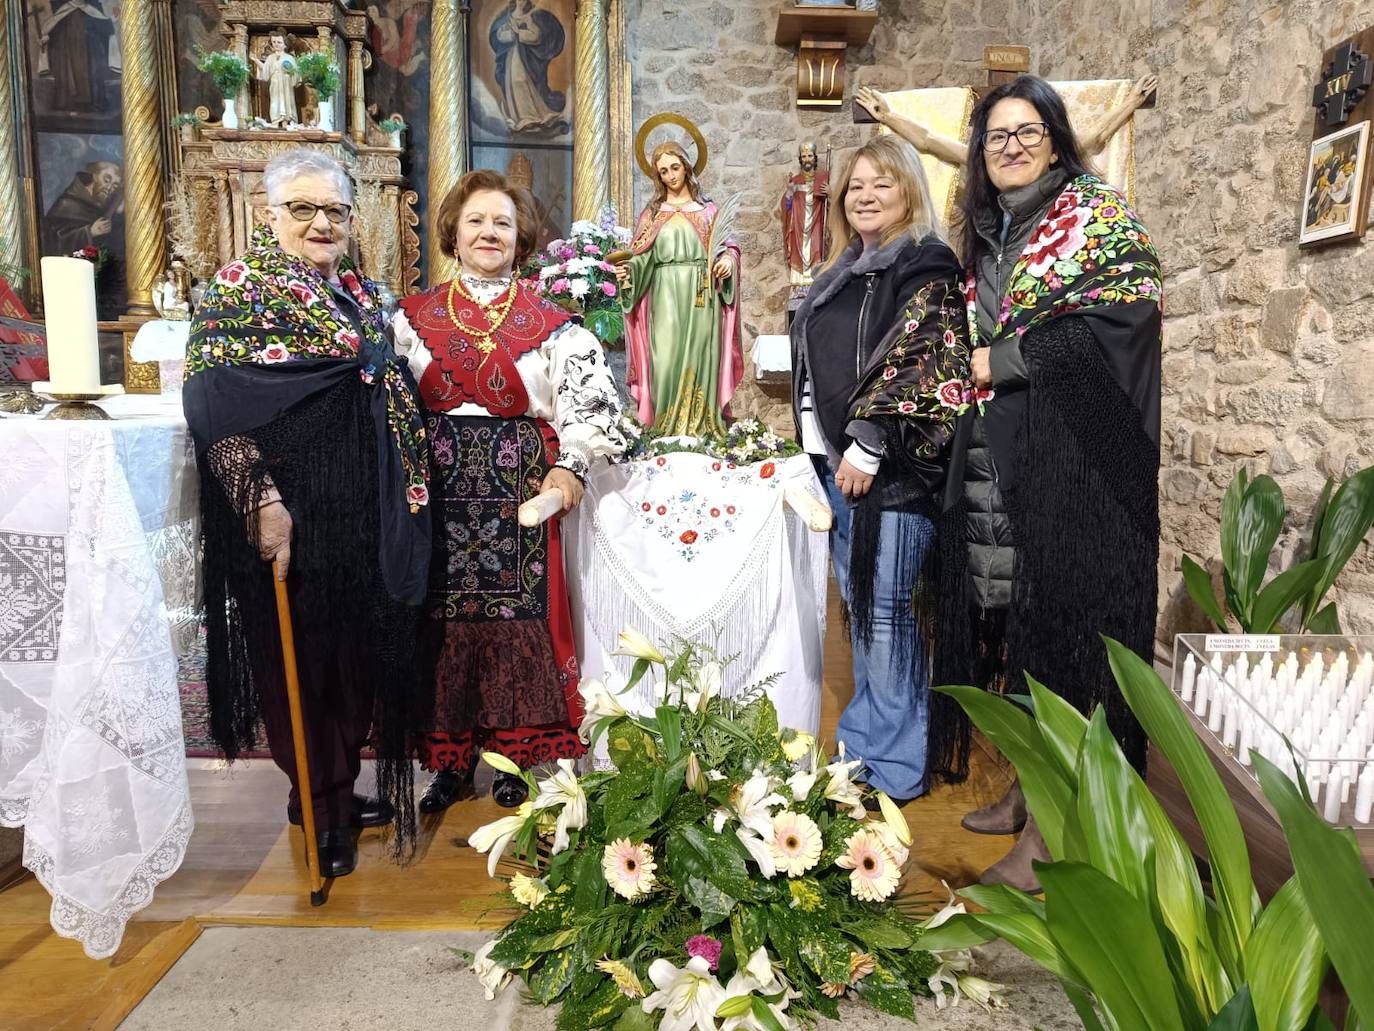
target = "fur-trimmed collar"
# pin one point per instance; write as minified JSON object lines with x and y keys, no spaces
{"x":855,"y":261}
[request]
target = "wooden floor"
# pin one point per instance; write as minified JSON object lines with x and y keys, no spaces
{"x":245,"y":866}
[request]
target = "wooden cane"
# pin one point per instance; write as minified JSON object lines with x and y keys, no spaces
{"x":293,"y":700}
{"x":540,"y":508}
{"x":816,"y":513}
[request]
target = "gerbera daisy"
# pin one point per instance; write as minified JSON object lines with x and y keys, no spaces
{"x":874,"y":873}
{"x":629,"y":868}
{"x":625,"y":979}
{"x":796,"y":842}
{"x":528,"y":891}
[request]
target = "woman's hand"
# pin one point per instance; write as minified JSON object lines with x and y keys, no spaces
{"x":873,"y":102}
{"x":853,"y":484}
{"x":981,"y":367}
{"x":724,"y":268}
{"x":565,"y":483}
{"x":273,"y":536}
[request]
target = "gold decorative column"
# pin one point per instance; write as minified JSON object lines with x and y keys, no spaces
{"x":11,"y":199}
{"x":145,"y":238}
{"x":357,"y":110}
{"x":448,"y":119}
{"x":243,"y":104}
{"x":622,"y":116}
{"x":165,"y":45}
{"x":591,"y":113}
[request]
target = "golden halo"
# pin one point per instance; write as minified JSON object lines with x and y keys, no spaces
{"x":669,"y":118}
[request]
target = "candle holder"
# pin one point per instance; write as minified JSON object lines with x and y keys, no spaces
{"x":1303,"y":701}
{"x":78,"y":405}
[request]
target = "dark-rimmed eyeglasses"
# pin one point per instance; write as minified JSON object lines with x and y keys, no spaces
{"x":304,"y":211}
{"x":1029,"y":135}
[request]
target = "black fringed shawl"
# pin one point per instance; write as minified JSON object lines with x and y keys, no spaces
{"x":292,"y":386}
{"x":1083,"y":455}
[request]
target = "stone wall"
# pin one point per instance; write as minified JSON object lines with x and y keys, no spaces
{"x":1269,"y":352}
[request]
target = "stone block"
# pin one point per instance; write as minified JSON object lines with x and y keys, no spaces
{"x":1203,"y":444}
{"x":1349,"y":393}
{"x":1183,"y":294}
{"x":1271,"y":405}
{"x":1242,"y":372}
{"x":1340,"y":277}
{"x":1255,"y":276}
{"x":1282,"y":316}
{"x":1247,"y":441}
{"x":1181,"y":485}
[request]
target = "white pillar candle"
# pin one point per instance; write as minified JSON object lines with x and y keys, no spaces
{"x":1364,"y":795}
{"x":1247,"y":738}
{"x":1218,"y":709}
{"x":1332,"y":810}
{"x":1229,"y":727}
{"x":69,"y":307}
{"x":1204,"y":690}
{"x":1314,"y":779}
{"x":1185,"y":690}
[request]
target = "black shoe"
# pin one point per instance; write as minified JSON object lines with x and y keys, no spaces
{"x":367,"y":812}
{"x":508,"y":790}
{"x":338,"y":852}
{"x":446,"y":788}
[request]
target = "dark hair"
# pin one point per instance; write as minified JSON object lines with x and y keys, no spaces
{"x":979,"y":193}
{"x":526,"y":217}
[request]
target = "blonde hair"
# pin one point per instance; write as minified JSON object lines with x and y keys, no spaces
{"x":893,"y":156}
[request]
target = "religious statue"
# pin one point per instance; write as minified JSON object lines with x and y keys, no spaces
{"x":525,"y":40}
{"x":680,"y":291}
{"x":278,"y":69}
{"x":804,"y":205}
{"x":1091,"y":142}
{"x":170,"y":299}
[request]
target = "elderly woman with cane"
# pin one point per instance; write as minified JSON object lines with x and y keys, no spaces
{"x":312,"y":457}
{"x":519,"y":403}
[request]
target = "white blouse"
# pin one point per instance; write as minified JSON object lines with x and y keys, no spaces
{"x":566,"y":378}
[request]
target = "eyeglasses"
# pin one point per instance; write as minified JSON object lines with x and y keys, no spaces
{"x":1029,"y":135}
{"x":304,"y":211}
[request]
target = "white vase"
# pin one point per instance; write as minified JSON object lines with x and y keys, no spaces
{"x":327,"y":114}
{"x":394,"y":139}
{"x":231,"y":116}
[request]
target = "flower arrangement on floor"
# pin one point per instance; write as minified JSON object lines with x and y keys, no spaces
{"x":744,"y":441}
{"x":714,"y":880}
{"x":575,"y":274}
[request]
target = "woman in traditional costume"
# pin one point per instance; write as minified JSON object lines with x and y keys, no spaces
{"x":1052,"y":522}
{"x":312,"y":455}
{"x":519,"y":400}
{"x":880,"y":365}
{"x":680,"y":292}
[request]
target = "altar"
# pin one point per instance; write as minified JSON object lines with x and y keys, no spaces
{"x":98,"y":532}
{"x":686,"y":546}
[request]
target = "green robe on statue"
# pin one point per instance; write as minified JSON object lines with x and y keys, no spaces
{"x":684,"y":357}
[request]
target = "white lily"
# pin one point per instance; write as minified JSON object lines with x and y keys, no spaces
{"x":597,"y":704}
{"x":894,"y":818}
{"x":496,"y":836}
{"x":801,"y":784}
{"x":759,"y":850}
{"x":982,"y":992}
{"x":706,"y":683}
{"x":752,"y":801}
{"x":562,"y":789}
{"x":493,"y":976}
{"x":891,"y":841}
{"x":635,"y":645}
{"x":688,"y":996}
{"x":756,"y":977}
{"x":840,"y":787}
{"x":952,"y":908}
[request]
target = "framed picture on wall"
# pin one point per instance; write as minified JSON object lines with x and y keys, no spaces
{"x":1335,"y":194}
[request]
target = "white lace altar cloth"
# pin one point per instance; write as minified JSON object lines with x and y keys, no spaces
{"x":688,"y":546}
{"x":98,"y":584}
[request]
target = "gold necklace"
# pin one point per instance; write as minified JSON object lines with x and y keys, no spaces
{"x":482,"y":340}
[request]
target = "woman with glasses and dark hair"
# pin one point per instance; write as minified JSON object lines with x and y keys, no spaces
{"x":1051,"y":527}
{"x":312,"y":457}
{"x":880,"y":366}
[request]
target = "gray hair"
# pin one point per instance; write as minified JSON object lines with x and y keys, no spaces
{"x":285,"y":168}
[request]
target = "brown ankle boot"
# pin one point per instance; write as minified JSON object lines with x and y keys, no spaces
{"x":1005,"y":816}
{"x":1015,"y":867}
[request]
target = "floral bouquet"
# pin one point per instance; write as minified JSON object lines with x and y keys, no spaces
{"x":716,"y":879}
{"x":575,"y":274}
{"x":97,"y":256}
{"x":744,"y":441}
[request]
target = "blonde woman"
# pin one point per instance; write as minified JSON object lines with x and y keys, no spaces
{"x":880,"y":364}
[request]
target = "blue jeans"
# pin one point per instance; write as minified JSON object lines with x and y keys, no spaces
{"x":885,"y":723}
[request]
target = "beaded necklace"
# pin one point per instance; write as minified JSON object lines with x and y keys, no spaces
{"x":496,"y":314}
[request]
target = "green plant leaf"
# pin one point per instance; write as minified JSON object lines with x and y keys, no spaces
{"x":1285,"y":962}
{"x":1162,"y":716}
{"x":1281,"y":594}
{"x":1115,"y":830}
{"x":1082,"y":1003}
{"x":1199,"y":585}
{"x":1344,"y":524}
{"x":670,"y":729}
{"x":1016,"y":734}
{"x":1326,"y":621}
{"x":1110,"y":939}
{"x":1237,"y":1015}
{"x":1334,"y":884}
{"x":764,"y":1014}
{"x":1062,"y":725}
{"x":1248,"y":536}
{"x":1031,"y":934}
{"x":961,"y":931}
{"x":1003,"y":898}
{"x":553,"y":977}
{"x":1319,"y":516}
